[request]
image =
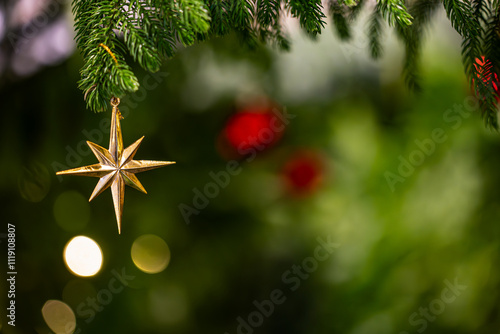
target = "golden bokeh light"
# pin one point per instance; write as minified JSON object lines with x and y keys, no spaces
{"x":83,"y":256}
{"x":150,"y":253}
{"x":71,"y":211}
{"x":59,"y":317}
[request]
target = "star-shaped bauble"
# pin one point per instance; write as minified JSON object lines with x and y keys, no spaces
{"x":116,"y":167}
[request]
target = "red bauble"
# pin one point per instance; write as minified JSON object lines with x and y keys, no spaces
{"x":253,"y":130}
{"x":303,"y":173}
{"x":484,"y":68}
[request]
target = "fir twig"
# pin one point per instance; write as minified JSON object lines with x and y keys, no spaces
{"x":374,"y":34}
{"x":151,"y":30}
{"x":413,"y":36}
{"x":309,"y":13}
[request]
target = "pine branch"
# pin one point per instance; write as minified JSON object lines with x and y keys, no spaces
{"x":242,"y":12}
{"x":476,"y":21}
{"x":395,"y":12}
{"x":187,"y":19}
{"x":151,"y":30}
{"x":340,"y":22}
{"x":458,"y":12}
{"x":106,"y":30}
{"x":268,"y":13}
{"x":309,"y":13}
{"x":374,"y":34}
{"x":486,"y":84}
{"x":221,"y":20}
{"x":356,"y":9}
{"x":135,"y":24}
{"x":472,"y":42}
{"x":349,"y":3}
{"x":343,"y":13}
{"x":412,"y":36}
{"x":159,"y":30}
{"x":242,"y":18}
{"x":105,"y":72}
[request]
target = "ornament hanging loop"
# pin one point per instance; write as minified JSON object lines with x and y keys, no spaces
{"x":115,"y":101}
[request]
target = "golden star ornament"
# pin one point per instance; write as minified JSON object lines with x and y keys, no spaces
{"x":116,"y":167}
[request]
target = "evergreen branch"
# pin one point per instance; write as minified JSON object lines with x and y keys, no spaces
{"x":159,"y":29}
{"x":458,"y":12}
{"x":102,"y":75}
{"x":349,"y":3}
{"x":486,"y":67}
{"x":374,"y":33}
{"x":412,"y":36}
{"x":187,"y":18}
{"x":491,"y":44}
{"x":356,"y":9}
{"x":148,"y":30}
{"x":472,"y":38}
{"x":476,"y":21}
{"x":343,"y":13}
{"x":309,"y":13}
{"x":242,"y":18}
{"x":242,"y":12}
{"x":339,"y":19}
{"x":220,"y":14}
{"x":395,"y":12}
{"x":268,"y":13}
{"x":135,"y":24}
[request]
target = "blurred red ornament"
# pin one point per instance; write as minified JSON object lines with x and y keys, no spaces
{"x":253,"y":130}
{"x":304,"y":172}
{"x":484,"y":68}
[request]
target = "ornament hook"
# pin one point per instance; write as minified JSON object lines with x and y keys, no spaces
{"x":115,"y":101}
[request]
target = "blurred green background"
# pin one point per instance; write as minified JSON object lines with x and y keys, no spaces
{"x":416,"y":242}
